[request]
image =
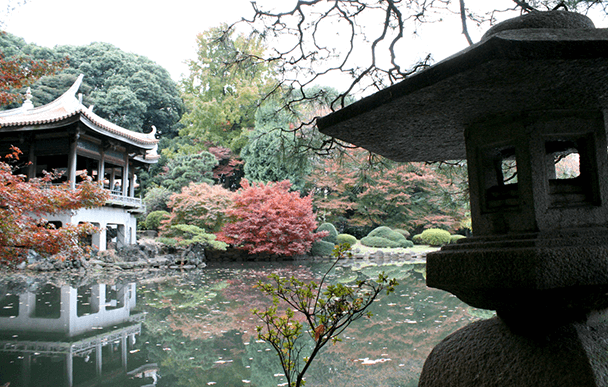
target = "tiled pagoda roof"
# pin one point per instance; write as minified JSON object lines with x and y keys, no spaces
{"x":66,"y":107}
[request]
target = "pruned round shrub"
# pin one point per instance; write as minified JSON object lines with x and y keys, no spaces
{"x":406,"y":243}
{"x":333,"y":233}
{"x":381,"y":232}
{"x":321,"y":248}
{"x":371,"y":241}
{"x":456,"y":238}
{"x":154,"y":219}
{"x":391,"y":235}
{"x":435,"y":237}
{"x":403,"y":232}
{"x":346,"y":238}
{"x":417,"y":239}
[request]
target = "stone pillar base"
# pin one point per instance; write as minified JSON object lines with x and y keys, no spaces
{"x":488,"y":353}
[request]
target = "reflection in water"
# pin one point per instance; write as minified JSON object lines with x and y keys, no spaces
{"x":58,"y":335}
{"x":199,"y":330}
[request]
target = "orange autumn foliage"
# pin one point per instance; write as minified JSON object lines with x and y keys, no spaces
{"x":23,"y":205}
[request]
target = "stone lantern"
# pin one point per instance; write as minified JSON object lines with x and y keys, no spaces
{"x":532,"y":92}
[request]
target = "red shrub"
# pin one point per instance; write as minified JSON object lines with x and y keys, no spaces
{"x":270,"y":219}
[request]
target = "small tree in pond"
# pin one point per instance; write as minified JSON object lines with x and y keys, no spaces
{"x":318,"y":311}
{"x":268,"y":218}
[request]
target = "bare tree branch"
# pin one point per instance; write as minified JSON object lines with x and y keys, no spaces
{"x":463,"y":20}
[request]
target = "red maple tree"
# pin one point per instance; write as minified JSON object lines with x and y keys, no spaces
{"x":268,"y":218}
{"x":24,"y":205}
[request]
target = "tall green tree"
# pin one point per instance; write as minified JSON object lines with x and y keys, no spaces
{"x":224,"y":87}
{"x":185,"y":169}
{"x":272,"y":153}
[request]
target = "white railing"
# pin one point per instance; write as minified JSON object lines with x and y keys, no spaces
{"x":126,"y":201}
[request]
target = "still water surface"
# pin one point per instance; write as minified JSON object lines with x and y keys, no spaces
{"x":196,"y":329}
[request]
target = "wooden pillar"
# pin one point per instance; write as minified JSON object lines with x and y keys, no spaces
{"x":101,"y":168}
{"x":72,"y":160}
{"x":131,"y":181}
{"x":125,"y":175}
{"x":31,"y":168}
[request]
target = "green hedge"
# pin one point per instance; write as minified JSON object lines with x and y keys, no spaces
{"x":435,"y":237}
{"x":346,"y":238}
{"x":333,"y":233}
{"x":322,"y":248}
{"x":154,"y":218}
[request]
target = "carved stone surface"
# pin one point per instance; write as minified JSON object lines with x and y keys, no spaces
{"x":487,"y":353}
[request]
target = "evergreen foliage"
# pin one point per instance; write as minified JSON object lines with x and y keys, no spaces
{"x":156,"y":199}
{"x":455,"y":238}
{"x":384,"y":232}
{"x":189,"y":234}
{"x":127,"y":89}
{"x":435,"y":237}
{"x":154,"y":219}
{"x":346,"y":238}
{"x":332,"y":232}
{"x":185,"y":169}
{"x":380,"y":242}
{"x":321,"y":248}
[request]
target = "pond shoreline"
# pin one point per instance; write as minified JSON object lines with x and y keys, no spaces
{"x":151,"y":256}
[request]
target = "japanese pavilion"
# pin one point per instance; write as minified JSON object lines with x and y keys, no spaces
{"x":66,"y":136}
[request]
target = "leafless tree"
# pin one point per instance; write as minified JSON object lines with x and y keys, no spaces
{"x":365,"y":42}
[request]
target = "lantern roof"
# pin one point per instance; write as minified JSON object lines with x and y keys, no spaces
{"x":520,"y":66}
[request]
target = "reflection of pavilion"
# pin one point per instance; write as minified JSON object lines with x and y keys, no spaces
{"x":67,"y":336}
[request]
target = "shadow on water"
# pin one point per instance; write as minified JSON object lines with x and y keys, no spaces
{"x":196,"y":329}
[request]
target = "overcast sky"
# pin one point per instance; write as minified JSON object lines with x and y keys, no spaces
{"x":165,"y":31}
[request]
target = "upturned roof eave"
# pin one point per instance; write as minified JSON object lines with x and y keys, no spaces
{"x":63,"y":110}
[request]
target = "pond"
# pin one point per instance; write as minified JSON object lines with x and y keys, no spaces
{"x":196,"y":328}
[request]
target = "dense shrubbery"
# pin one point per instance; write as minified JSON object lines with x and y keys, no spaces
{"x":405,"y":233}
{"x":202,"y":205}
{"x":322,"y":248}
{"x":370,"y":241}
{"x":157,"y":198}
{"x":385,"y":237}
{"x":433,"y":237}
{"x":187,"y":234}
{"x":268,"y":218}
{"x":346,"y":238}
{"x":154,"y":219}
{"x":331,"y":229}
